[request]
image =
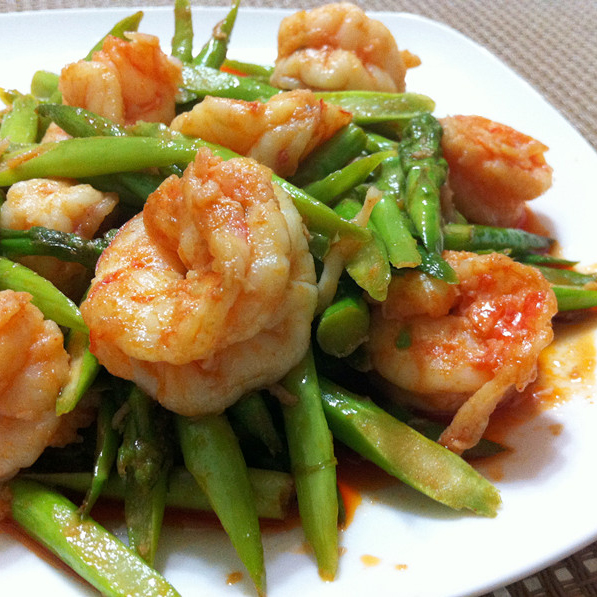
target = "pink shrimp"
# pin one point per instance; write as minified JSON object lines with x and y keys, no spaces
{"x":494,"y":169}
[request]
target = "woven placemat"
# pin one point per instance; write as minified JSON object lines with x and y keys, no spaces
{"x":550,"y":43}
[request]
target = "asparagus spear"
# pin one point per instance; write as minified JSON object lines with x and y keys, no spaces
{"x":129,"y":23}
{"x":144,"y":462}
{"x":341,"y":181}
{"x":249,"y":69}
{"x":313,"y":464}
{"x":105,"y":453}
{"x":182,"y":40}
{"x":344,"y":325}
{"x":273,"y":490}
{"x":426,"y":170}
{"x":567,"y":277}
{"x":79,"y":122}
{"x":20,"y":124}
{"x":406,"y":454}
{"x":571,"y":298}
{"x":346,"y":145}
{"x":371,"y":107}
{"x":44,"y":86}
{"x":83,"y":369}
{"x":91,"y":551}
{"x":65,"y":246}
{"x":46,"y":297}
{"x":369,"y":266}
{"x":253,"y":414}
{"x":214,"y":51}
{"x":199,"y":80}
{"x":389,"y":218}
{"x":212,"y":455}
{"x":475,"y":237}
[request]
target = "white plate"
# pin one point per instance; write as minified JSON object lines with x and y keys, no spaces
{"x":548,"y":484}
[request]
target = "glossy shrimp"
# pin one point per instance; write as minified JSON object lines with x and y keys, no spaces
{"x":337,"y":47}
{"x":125,"y":81}
{"x":33,"y":369}
{"x":493,"y":169}
{"x":464,"y":346}
{"x":60,"y":205}
{"x":209,"y":292}
{"x":278,"y":133}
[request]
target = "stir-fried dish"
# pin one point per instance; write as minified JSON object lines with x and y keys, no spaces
{"x":213,"y":273}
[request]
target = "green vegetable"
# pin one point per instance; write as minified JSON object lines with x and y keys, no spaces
{"x":86,"y":547}
{"x":212,"y":455}
{"x":571,"y":298}
{"x":435,"y":265}
{"x":405,"y":453}
{"x":21,"y":122}
{"x":79,"y":122}
{"x":105,"y":453}
{"x":426,"y":171}
{"x":370,"y":107}
{"x":257,"y":71}
{"x":182,"y":40}
{"x":144,"y":463}
{"x":341,"y":181}
{"x":199,"y":80}
{"x":389,"y":218}
{"x":368,"y":266}
{"x":347,"y":144}
{"x":313,"y":464}
{"x":252,"y":413}
{"x":214,"y":51}
{"x":83,"y":369}
{"x":65,"y":246}
{"x":44,"y":86}
{"x":273,"y":490}
{"x":46,"y":297}
{"x":475,"y":237}
{"x":129,"y":23}
{"x":377,"y":143}
{"x":344,"y":325}
{"x":566,"y":277}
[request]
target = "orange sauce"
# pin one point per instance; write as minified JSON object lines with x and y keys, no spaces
{"x":357,"y":476}
{"x":369,"y":560}
{"x":234,"y":577}
{"x":567,"y":366}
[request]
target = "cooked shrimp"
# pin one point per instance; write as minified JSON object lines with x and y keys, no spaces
{"x":279,"y":133}
{"x":335,"y":47}
{"x":33,"y":369}
{"x":54,"y":133}
{"x":209,"y":292}
{"x":470,"y":343}
{"x":125,"y":81}
{"x":494,"y":169}
{"x":60,"y":205}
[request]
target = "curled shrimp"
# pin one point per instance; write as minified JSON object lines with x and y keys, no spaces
{"x":33,"y":369}
{"x":493,"y":169}
{"x":337,"y":47}
{"x":467,"y":344}
{"x":278,"y":133}
{"x":125,"y":81}
{"x":209,"y":292}
{"x":60,"y":205}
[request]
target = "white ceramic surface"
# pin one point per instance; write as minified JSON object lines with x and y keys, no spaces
{"x":548,"y":484}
